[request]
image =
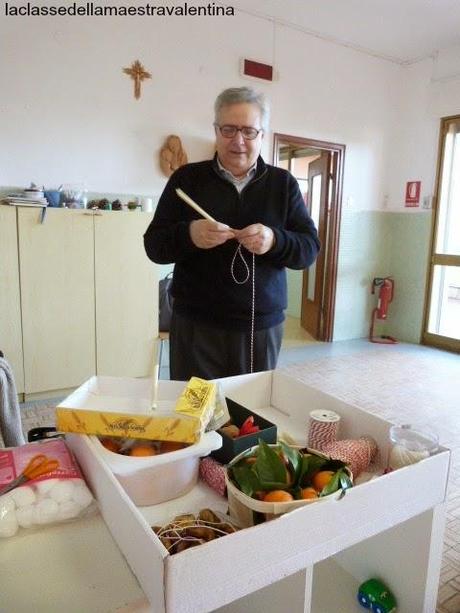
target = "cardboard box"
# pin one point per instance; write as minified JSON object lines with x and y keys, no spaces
{"x":395,"y":517}
{"x":121,"y":406}
{"x":231,"y":447}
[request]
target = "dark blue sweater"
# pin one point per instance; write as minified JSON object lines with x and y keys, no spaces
{"x":203,"y":287}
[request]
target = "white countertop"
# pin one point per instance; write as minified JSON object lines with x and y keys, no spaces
{"x":67,"y":568}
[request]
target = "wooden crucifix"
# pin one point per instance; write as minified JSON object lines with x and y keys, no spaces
{"x":137,"y":73}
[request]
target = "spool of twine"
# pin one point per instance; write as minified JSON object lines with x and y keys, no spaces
{"x":356,"y":453}
{"x":323,"y":428}
{"x":401,"y":456}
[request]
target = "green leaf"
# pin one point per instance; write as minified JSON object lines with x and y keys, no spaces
{"x":270,"y":468}
{"x":345,"y":481}
{"x":310,"y":465}
{"x":246,"y":478}
{"x":294,"y":458}
{"x":333,"y":485}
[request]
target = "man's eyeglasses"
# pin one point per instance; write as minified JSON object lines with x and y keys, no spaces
{"x":247,"y":132}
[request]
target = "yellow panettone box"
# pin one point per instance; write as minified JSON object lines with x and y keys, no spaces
{"x":121,"y":406}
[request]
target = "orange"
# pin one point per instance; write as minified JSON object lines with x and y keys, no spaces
{"x":308,"y":492}
{"x":278,"y":496}
{"x":167,"y":446}
{"x":142,"y":450}
{"x":321,"y":479}
{"x":110,"y":445}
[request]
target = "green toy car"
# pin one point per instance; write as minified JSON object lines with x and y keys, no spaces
{"x":374,"y":595}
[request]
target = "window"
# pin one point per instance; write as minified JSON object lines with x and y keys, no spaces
{"x":442,"y":319}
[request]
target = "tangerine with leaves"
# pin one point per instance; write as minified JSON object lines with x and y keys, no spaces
{"x":278,"y":496}
{"x":321,"y":479}
{"x":308,"y":493}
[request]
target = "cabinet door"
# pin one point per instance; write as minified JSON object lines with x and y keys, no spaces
{"x":126,"y":295}
{"x":57,"y":288}
{"x":10,"y":302}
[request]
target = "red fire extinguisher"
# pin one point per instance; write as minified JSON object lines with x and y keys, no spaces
{"x":386,"y":287}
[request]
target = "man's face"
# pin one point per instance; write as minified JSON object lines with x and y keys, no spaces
{"x":238,"y":154}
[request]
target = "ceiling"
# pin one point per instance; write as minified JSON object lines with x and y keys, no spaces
{"x":403,"y":31}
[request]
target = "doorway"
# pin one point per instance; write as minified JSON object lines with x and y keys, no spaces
{"x":442,"y":306}
{"x":318,"y":168}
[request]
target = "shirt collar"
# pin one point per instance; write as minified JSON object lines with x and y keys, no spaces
{"x":251,"y":172}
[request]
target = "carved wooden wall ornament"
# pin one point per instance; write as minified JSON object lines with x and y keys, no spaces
{"x":172,"y":155}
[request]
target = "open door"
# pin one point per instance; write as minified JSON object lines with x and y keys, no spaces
{"x":313,"y":278}
{"x":318,"y":168}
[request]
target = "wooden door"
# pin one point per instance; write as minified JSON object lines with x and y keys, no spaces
{"x":313,"y":277}
{"x":10,"y":302}
{"x":126,"y":295}
{"x":57,"y":292}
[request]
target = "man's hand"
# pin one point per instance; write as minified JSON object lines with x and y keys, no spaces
{"x":208,"y":234}
{"x":256,"y":238}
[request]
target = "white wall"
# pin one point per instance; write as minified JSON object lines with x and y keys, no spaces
{"x":415,"y":135}
{"x":68,"y":112}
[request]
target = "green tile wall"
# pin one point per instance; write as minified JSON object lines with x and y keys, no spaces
{"x":363,"y":255}
{"x":377,"y":244}
{"x":410,"y":245}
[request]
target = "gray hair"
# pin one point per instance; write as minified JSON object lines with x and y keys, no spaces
{"x":237,"y":95}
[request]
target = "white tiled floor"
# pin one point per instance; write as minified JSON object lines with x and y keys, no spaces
{"x":403,"y":383}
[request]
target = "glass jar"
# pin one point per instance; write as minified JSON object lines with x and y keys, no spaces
{"x":74,"y":196}
{"x":409,"y":445}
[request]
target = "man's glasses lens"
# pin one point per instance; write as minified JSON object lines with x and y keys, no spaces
{"x":247,"y":132}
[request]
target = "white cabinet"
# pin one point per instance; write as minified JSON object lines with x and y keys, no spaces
{"x":84,"y":292}
{"x":10,"y":301}
{"x":57,"y":291}
{"x":126,"y":284}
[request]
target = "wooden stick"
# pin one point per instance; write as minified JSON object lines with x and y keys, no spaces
{"x":193,"y":204}
{"x":156,"y":372}
{"x":156,"y":376}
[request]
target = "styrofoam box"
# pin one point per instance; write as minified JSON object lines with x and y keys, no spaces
{"x":390,"y":527}
{"x":154,"y":479}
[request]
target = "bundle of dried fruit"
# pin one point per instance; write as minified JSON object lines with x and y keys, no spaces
{"x":186,"y":531}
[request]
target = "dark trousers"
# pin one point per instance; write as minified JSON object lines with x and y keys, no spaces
{"x":196,"y":349}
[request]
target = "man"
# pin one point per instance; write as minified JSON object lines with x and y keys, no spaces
{"x":229,"y":283}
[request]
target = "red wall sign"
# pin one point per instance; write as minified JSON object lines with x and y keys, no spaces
{"x":413,"y":193}
{"x":257,"y":69}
